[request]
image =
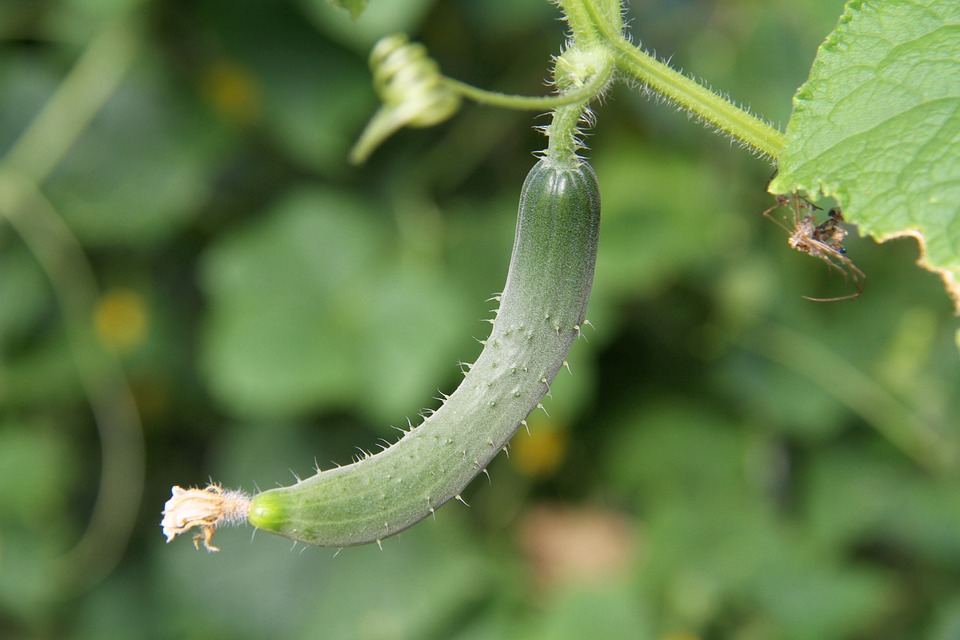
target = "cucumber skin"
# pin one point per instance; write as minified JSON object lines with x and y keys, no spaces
{"x":541,"y":311}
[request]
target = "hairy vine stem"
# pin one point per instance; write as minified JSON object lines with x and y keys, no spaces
{"x":700,"y":101}
{"x":415,"y":93}
{"x":534,"y":103}
{"x":591,"y":21}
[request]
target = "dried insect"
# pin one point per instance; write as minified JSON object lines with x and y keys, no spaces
{"x":830,"y":232}
{"x":824,"y":240}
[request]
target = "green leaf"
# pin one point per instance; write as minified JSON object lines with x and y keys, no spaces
{"x":21,"y":280}
{"x":141,"y":170}
{"x":292,"y":76}
{"x":355,"y":7}
{"x":38,"y":467}
{"x":311,"y":309}
{"x":40,"y":472}
{"x":675,"y":237}
{"x":716,"y":537}
{"x":877,"y":126}
{"x":359,"y":33}
{"x":587,"y":610}
{"x":856,"y":497}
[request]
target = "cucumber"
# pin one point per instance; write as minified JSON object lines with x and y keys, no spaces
{"x":541,"y":311}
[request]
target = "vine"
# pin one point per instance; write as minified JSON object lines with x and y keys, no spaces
{"x":340,"y":507}
{"x":184,"y":248}
{"x":361,"y":502}
{"x":415,"y":93}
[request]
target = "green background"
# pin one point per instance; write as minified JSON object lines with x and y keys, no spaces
{"x":727,"y":459}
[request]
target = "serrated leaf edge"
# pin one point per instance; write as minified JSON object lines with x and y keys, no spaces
{"x":948,"y":276}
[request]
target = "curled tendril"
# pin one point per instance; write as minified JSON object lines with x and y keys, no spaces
{"x":412,"y":89}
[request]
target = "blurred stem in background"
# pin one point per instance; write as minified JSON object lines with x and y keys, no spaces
{"x":896,"y":420}
{"x":36,"y":153}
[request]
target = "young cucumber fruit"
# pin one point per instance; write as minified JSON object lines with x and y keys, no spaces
{"x":541,"y":311}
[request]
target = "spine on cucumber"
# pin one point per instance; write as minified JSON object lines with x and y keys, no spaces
{"x":541,"y":311}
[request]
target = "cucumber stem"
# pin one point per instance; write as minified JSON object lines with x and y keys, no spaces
{"x":597,"y":50}
{"x":593,"y":25}
{"x":562,"y":133}
{"x":582,"y":94}
{"x":711,"y":107}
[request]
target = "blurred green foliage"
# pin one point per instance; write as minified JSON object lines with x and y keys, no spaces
{"x":727,"y":460}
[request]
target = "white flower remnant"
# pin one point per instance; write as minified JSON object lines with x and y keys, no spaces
{"x":205,"y":508}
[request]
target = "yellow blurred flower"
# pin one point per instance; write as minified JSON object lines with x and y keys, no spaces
{"x":232,"y":91}
{"x":540,"y":454}
{"x":121,"y":320}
